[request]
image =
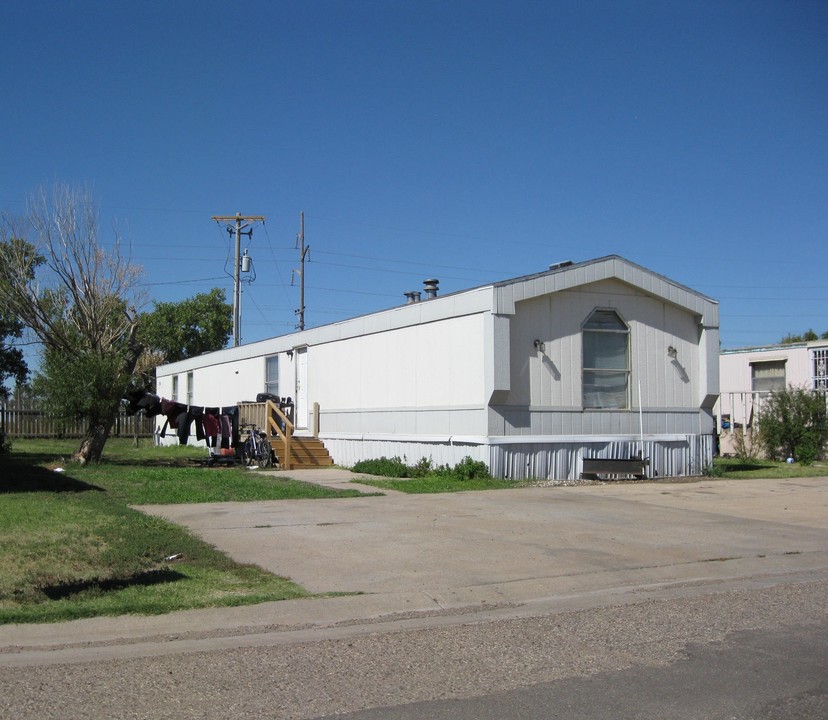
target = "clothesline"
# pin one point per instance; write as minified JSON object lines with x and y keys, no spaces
{"x":211,"y":422}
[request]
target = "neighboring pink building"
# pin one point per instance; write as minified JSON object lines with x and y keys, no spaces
{"x":748,"y":375}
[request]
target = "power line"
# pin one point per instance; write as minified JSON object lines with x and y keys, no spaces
{"x":276,"y":263}
{"x":181,"y":282}
{"x":241,"y":225}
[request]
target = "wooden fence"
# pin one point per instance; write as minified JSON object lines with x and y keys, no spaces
{"x":25,"y":419}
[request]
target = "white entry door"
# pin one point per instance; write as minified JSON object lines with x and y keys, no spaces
{"x":301,"y":417}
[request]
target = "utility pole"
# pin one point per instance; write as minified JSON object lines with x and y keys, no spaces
{"x":239,"y":227}
{"x":303,"y":251}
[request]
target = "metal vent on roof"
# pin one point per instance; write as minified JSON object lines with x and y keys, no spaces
{"x":559,"y":265}
{"x":430,"y":287}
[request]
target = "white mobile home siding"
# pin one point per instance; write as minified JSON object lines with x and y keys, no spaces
{"x":546,"y":391}
{"x":225,"y":383}
{"x":461,"y":375}
{"x":422,"y":379}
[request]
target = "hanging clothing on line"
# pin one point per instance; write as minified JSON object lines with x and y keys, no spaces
{"x":174,"y":412}
{"x":138,"y":400}
{"x":231,"y":413}
{"x":209,"y":423}
{"x":212,"y":426}
{"x":197,"y":414}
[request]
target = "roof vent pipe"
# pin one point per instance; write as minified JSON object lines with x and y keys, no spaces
{"x":559,"y":265}
{"x":413,"y":297}
{"x":430,"y":287}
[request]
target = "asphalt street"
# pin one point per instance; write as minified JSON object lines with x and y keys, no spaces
{"x":751,"y":675}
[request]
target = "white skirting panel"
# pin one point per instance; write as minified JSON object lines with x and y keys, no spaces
{"x":553,"y":459}
{"x":564,"y":461}
{"x":348,"y":452}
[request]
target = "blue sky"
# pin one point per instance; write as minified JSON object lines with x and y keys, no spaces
{"x":467,"y":141}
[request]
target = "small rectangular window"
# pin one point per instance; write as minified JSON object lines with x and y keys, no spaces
{"x":175,"y":388}
{"x":190,"y":388}
{"x":272,"y":375}
{"x":768,"y":376}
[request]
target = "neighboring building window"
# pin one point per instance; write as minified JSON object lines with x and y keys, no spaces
{"x":606,"y":340}
{"x":820,"y":369}
{"x":767,"y":376}
{"x":190,"y":388}
{"x":175,"y":388}
{"x":272,"y":375}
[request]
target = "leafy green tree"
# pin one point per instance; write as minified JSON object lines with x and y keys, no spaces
{"x":794,"y":423}
{"x":176,"y":331}
{"x":807,"y":336}
{"x":12,"y":364}
{"x":78,"y":298}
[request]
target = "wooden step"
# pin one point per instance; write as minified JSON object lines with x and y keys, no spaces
{"x":305,"y":452}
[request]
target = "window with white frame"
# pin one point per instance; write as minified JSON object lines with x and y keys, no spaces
{"x":606,"y":361}
{"x":767,"y":375}
{"x":272,"y":375}
{"x":820,"y":360}
{"x":190,"y":388}
{"x":175,"y":388}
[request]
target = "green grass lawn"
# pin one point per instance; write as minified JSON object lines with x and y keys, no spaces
{"x":71,"y":546}
{"x":736,"y":469}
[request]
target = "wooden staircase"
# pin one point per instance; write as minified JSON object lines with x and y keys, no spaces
{"x":295,"y":452}
{"x":305,"y":452}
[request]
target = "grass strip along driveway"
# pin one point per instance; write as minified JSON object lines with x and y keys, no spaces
{"x":72,"y":547}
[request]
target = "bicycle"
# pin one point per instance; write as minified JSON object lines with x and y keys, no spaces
{"x":256,"y":449}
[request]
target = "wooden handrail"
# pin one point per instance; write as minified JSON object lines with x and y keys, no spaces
{"x":272,"y":420}
{"x":275,"y":421}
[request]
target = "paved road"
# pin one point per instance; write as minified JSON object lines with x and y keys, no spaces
{"x":547,"y":592}
{"x":751,"y":675}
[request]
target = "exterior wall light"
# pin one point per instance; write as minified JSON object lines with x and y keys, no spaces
{"x":539,"y":345}
{"x":672,"y":352}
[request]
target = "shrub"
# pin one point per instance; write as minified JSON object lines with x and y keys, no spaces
{"x":794,"y":423}
{"x":712,"y":470}
{"x":468,"y":469}
{"x":744,"y":443}
{"x":393,"y":467}
{"x":421,"y":469}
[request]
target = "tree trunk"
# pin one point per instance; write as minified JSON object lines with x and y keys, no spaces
{"x":92,"y":445}
{"x":93,"y":442}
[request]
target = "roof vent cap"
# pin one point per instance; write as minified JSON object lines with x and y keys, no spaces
{"x":559,"y":265}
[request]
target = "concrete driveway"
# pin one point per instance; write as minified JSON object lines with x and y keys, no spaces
{"x":515,"y":546}
{"x":479,"y":590}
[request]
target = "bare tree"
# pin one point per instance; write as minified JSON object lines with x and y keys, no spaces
{"x":81,"y":300}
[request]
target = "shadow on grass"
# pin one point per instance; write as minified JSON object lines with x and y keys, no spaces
{"x":738,"y":467}
{"x":153,"y":462}
{"x":97,"y":586}
{"x":35,"y":458}
{"x":23,"y":478}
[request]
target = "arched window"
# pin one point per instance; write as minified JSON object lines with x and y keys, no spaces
{"x":606,"y":342}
